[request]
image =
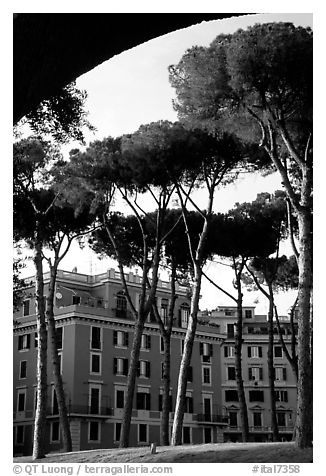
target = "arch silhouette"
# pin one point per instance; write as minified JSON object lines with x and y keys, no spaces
{"x":53,"y":49}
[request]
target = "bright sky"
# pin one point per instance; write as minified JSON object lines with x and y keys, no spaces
{"x":133,"y":89}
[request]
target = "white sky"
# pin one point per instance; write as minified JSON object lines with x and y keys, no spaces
{"x":133,"y":89}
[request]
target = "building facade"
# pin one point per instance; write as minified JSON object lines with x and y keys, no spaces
{"x":255,"y":374}
{"x":94,"y":337}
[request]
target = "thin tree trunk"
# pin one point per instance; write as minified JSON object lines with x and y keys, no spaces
{"x":238,"y":361}
{"x":165,"y":417}
{"x":185,"y":361}
{"x":131,"y":380}
{"x":270,"y":364}
{"x":304,"y":401}
{"x":41,"y":373}
{"x":58,"y":384}
{"x":143,"y":312}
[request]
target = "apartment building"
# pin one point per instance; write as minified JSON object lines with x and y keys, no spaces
{"x":94,"y":336}
{"x":255,"y":374}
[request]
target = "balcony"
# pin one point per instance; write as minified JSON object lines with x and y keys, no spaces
{"x":24,"y":415}
{"x":211,"y":418}
{"x":86,"y":410}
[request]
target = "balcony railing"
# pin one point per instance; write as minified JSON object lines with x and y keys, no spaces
{"x":84,"y":410}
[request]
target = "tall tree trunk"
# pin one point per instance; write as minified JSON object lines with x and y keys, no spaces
{"x":166,"y":335}
{"x":238,"y":361}
{"x":165,"y":417}
{"x":303,"y":433}
{"x":185,"y":361}
{"x":131,"y":380}
{"x":40,"y":414}
{"x":58,"y":384}
{"x":270,"y":364}
{"x":144,"y":309}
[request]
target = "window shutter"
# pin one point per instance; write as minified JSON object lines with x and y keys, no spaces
{"x":201,"y":348}
{"x":211,"y":349}
{"x":285,"y":395}
{"x":249,"y":351}
{"x":189,"y":374}
{"x":148,"y":401}
{"x":138,"y":401}
{"x":284,"y":373}
{"x":138,"y":369}
{"x":115,"y":337}
{"x":260,"y":373}
{"x":274,"y":373}
{"x":20,"y":342}
{"x":260,"y":351}
{"x":126,"y":339}
{"x":191,"y":405}
{"x":28,"y":341}
{"x":250,"y":373}
{"x":148,"y":342}
{"x":125,"y":366}
{"x":115,"y":366}
{"x":225,"y":351}
{"x":179,"y":318}
{"x":148,"y":369}
{"x":160,"y":402}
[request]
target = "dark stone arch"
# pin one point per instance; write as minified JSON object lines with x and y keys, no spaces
{"x":53,"y":49}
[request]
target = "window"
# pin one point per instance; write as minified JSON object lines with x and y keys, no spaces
{"x":120,"y":338}
{"x":206,"y":351}
{"x":233,"y":418}
{"x":255,"y":351}
{"x":281,"y":395}
{"x":94,"y":400}
{"x":278,"y":351}
{"x":60,"y":362}
{"x":279,"y":373}
{"x":160,"y":403}
{"x":35,"y":340}
{"x":55,"y":431}
{"x":142,"y":433}
{"x":230,"y":372}
{"x":248,"y":313}
{"x":189,"y":405}
{"x":256,"y":396}
{"x":229,"y":351}
{"x":94,"y":431}
{"x":120,"y":366}
{"x":26,"y":307}
{"x":164,"y":310}
{"x":143,"y":401}
{"x":255,"y":373}
{"x":281,"y":420}
{"x":120,"y":398}
{"x":55,"y":407}
{"x":24,"y":342}
{"x":21,"y":400}
{"x":228,"y":312}
{"x":185,"y":312}
{"x":145,"y":342}
{"x":96,"y":338}
{"x":58,"y":335}
{"x":95,"y":364}
{"x":23,"y":369}
{"x":121,"y":310}
{"x":117,"y":432}
{"x":144,"y":368}
{"x":257,"y":419}
{"x":189,"y":374}
{"x":20,"y":434}
{"x":186,"y":435}
{"x":75,"y":300}
{"x":161,"y":344}
{"x":230,"y":330}
{"x":207,"y":375}
{"x":231,"y":396}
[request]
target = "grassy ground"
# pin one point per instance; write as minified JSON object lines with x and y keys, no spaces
{"x":209,"y":453}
